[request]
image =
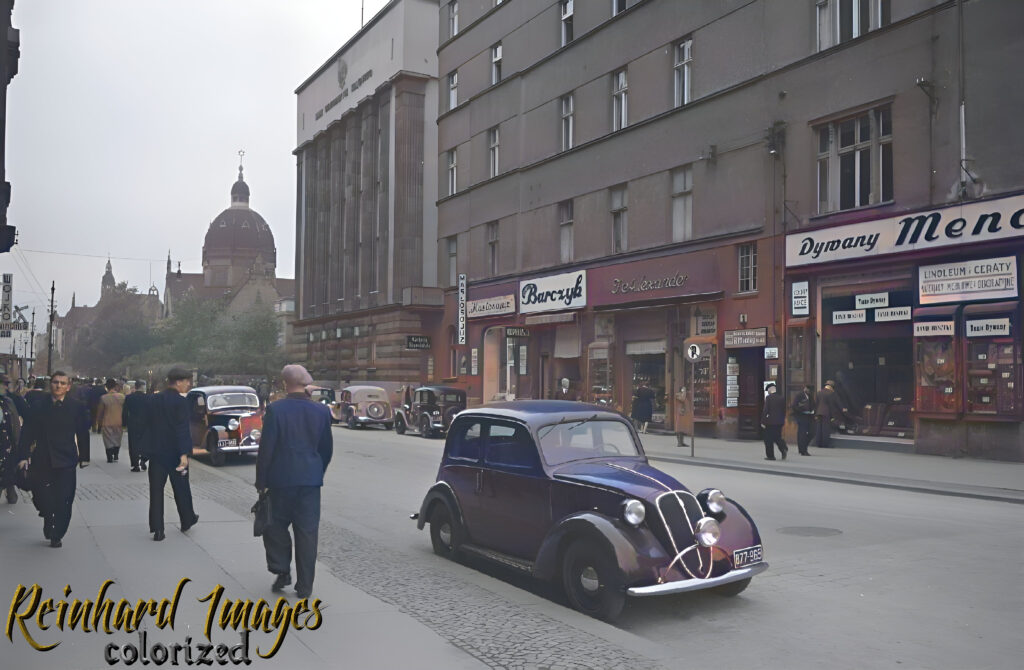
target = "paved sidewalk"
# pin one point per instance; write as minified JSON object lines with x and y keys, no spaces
{"x":108,"y":539}
{"x":972,"y":478}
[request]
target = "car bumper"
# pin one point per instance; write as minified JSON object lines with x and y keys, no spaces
{"x":366,"y":419}
{"x":697,"y":584}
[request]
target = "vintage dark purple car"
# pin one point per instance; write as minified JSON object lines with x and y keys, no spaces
{"x":563,"y":491}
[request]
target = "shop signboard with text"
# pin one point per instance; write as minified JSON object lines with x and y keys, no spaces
{"x":675,"y":276}
{"x":554,"y":293}
{"x":984,"y":279}
{"x":496,"y":306}
{"x":988,"y":221}
{"x":748,"y":337}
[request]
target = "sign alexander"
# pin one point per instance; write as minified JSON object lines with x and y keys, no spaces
{"x":988,"y":221}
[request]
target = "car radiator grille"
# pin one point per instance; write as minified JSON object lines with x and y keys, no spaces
{"x":679,"y":512}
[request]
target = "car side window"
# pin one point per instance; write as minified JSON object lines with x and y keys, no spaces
{"x":465,"y":441}
{"x":510,"y":446}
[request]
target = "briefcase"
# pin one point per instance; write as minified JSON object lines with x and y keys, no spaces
{"x":263,"y":515}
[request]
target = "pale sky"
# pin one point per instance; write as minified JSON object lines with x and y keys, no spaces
{"x":124,"y":124}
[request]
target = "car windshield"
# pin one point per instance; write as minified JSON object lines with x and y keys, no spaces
{"x":578,"y":440}
{"x":368,"y":396}
{"x":232,"y":400}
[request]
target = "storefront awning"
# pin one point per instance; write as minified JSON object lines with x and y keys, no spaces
{"x":992,"y":308}
{"x":942,"y":311}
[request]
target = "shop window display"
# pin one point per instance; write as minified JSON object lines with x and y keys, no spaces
{"x":938,"y":390}
{"x":993,"y":369}
{"x":649,"y":373}
{"x":703,"y":382}
{"x":601,"y":386}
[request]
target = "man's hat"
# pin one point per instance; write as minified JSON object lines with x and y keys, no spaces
{"x":296,"y":375}
{"x":178,"y":373}
{"x":830,"y":383}
{"x":769,"y":385}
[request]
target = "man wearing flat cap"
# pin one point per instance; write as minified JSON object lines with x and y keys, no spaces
{"x":170,"y":446}
{"x":295,"y":449}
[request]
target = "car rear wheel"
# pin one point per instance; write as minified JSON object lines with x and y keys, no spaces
{"x":425,"y":426}
{"x":445,"y":532}
{"x":592,"y":581}
{"x":733,"y":588}
{"x":400,"y":425}
{"x":351,"y":421}
{"x":217,"y":457}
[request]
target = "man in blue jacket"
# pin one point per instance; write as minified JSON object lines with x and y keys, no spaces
{"x":295,"y":449}
{"x":171,"y":444}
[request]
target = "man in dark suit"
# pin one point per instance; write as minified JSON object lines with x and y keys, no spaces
{"x":136,"y":419}
{"x":803,"y":413}
{"x":10,"y":434}
{"x":773,"y":418}
{"x":827,"y":409}
{"x":171,"y":445}
{"x":295,"y":449}
{"x":59,"y":428}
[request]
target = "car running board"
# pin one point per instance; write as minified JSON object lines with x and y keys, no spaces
{"x":519,"y":564}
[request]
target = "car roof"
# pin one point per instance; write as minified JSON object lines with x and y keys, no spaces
{"x":536,"y":413}
{"x":364,"y":387}
{"x":442,"y":389}
{"x":213,"y":390}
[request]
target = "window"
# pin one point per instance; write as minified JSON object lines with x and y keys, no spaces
{"x":495,"y":63}
{"x":453,"y":168}
{"x":492,"y":248}
{"x":855,"y":161}
{"x":618,"y":6}
{"x":620,"y":222}
{"x":567,"y":11}
{"x":465,"y":442}
{"x":684,"y":58}
{"x":453,"y":258}
{"x":453,"y":90}
{"x":510,"y":447}
{"x":568,"y":117}
{"x":620,"y":106}
{"x":453,"y":18}
{"x":565,"y":230}
{"x":840,"y":21}
{"x":493,"y":149}
{"x":748,"y":267}
{"x":682,"y":204}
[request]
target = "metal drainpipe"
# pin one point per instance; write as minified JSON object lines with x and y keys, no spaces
{"x":962,"y":173}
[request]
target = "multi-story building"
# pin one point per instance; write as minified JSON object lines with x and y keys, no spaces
{"x":9,"y":54}
{"x":617,"y":180}
{"x":366,"y":220}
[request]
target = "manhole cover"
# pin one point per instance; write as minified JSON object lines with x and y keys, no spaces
{"x":810,"y":531}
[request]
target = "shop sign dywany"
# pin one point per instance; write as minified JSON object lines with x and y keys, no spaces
{"x":992,"y":220}
{"x":555,"y":293}
{"x":986,"y":279}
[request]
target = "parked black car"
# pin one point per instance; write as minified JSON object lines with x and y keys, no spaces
{"x":562,"y":491}
{"x":429,"y":410}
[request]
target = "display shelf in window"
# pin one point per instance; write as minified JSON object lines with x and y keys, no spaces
{"x":702,"y":377}
{"x":600,"y":378}
{"x":938,"y":389}
{"x":992,"y":364}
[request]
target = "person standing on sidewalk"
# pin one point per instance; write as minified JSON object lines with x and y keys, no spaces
{"x":136,"y":419}
{"x":110,"y":418}
{"x":171,"y":445}
{"x":59,"y":429}
{"x":10,"y":434}
{"x":826,"y":410}
{"x":803,"y":413}
{"x":773,"y":418}
{"x":295,"y":449}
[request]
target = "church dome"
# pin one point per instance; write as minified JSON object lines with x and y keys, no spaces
{"x":239,"y":230}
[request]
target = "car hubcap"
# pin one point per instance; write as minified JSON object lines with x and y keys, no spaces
{"x":445,"y":533}
{"x":589,"y":580}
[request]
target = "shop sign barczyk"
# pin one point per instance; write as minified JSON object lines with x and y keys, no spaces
{"x":986,"y":279}
{"x":502,"y":304}
{"x":951,"y":226}
{"x":549,"y":294}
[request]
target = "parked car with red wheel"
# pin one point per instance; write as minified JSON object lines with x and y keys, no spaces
{"x":362,"y":406}
{"x":429,"y":410}
{"x":224,"y":420}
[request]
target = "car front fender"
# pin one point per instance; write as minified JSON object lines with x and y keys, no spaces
{"x":636,"y":550}
{"x":440,"y":493}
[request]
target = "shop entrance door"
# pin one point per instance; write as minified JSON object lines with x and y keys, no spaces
{"x":751,"y":398}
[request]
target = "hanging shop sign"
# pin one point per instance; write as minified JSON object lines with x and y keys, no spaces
{"x":748,"y":337}
{"x":516,"y":331}
{"x":801,"y":298}
{"x":988,"y":328}
{"x":934,"y":328}
{"x":850,"y":316}
{"x":985,"y":279}
{"x":554,"y":293}
{"x":988,"y":221}
{"x":462,"y":308}
{"x":496,"y":306}
{"x":869,"y":300}
{"x":893,"y":314}
{"x":417,"y":341}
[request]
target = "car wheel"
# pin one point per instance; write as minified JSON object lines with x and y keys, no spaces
{"x":592,"y":581}
{"x":387,"y":426}
{"x":445,"y":532}
{"x":733,"y":588}
{"x":400,"y":425}
{"x":217,"y":456}
{"x":351,"y":421}
{"x":425,"y":426}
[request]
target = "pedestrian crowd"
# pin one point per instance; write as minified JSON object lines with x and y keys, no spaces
{"x":45,"y":434}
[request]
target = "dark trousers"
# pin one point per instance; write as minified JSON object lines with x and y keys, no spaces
{"x":55,"y":497}
{"x":803,"y":432}
{"x":773,"y":436}
{"x":824,"y":432}
{"x":135,"y":448}
{"x":298,"y":507}
{"x":158,"y":476}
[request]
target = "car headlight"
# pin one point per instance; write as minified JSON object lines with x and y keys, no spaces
{"x":708,"y":532}
{"x":233,"y":424}
{"x":633,"y":511}
{"x":255,"y":434}
{"x":716,"y":501}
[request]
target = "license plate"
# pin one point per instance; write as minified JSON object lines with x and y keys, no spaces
{"x":227,"y":443}
{"x":744,"y":557}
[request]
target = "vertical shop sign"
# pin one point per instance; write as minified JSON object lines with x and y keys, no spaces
{"x":462,"y":308}
{"x":801,"y":298}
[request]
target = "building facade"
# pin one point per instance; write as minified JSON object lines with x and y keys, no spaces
{"x":626,"y":186}
{"x":365,"y":263}
{"x":9,"y":54}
